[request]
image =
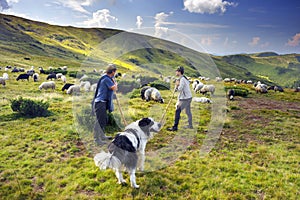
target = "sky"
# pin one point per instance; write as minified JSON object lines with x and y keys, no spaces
{"x":220,"y":27}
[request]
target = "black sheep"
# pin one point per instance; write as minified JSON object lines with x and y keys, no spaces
{"x":23,"y":76}
{"x":66,"y":86}
{"x":51,"y":76}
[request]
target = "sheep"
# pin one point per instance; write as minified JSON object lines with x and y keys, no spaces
{"x":30,"y":72}
{"x":2,"y":81}
{"x":35,"y":77}
{"x":51,"y":76}
{"x":198,"y":87}
{"x":66,"y":86}
{"x":153,"y":94}
{"x":22,"y":77}
{"x":58,"y":75}
{"x":278,"y":88}
{"x":218,"y":79}
{"x":93,"y":87}
{"x":226,"y":80}
{"x":297,"y":89}
{"x":143,"y":90}
{"x":74,"y":89}
{"x":261,"y":88}
{"x":208,"y":88}
{"x":63,"y":78}
{"x":195,"y":83}
{"x":47,"y":85}
{"x":5,"y":76}
{"x":64,"y":68}
{"x":231,"y":94}
{"x":83,"y":77}
{"x":15,"y":69}
{"x":167,"y":79}
{"x":201,"y":100}
{"x":86,"y":85}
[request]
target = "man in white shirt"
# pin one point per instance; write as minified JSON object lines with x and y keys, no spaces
{"x":184,"y":99}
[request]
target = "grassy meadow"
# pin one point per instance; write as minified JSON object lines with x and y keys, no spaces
{"x":256,"y":156}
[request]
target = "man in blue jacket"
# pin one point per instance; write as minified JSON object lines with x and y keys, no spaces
{"x":184,"y":99}
{"x":103,"y":102}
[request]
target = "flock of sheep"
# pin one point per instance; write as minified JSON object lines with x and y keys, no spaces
{"x":147,"y":93}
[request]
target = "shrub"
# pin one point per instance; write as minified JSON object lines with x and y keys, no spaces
{"x":136,"y":93}
{"x":127,"y":86}
{"x":64,"y":72}
{"x":30,"y":108}
{"x":238,"y":91}
{"x":160,"y":85}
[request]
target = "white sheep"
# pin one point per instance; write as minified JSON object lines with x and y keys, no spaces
{"x":195,"y":83}
{"x":74,"y":89}
{"x":208,"y":88}
{"x":83,"y":77}
{"x":35,"y":77}
{"x":64,"y":68}
{"x":47,"y":85}
{"x":201,"y":100}
{"x":58,"y":75}
{"x":93,"y":87}
{"x":218,"y":79}
{"x":261,"y":88}
{"x":198,"y":87}
{"x":2,"y":81}
{"x":153,"y":94}
{"x":63,"y":78}
{"x":86,"y":85}
{"x":5,"y":76}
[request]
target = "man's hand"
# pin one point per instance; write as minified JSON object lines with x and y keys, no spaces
{"x":177,"y":83}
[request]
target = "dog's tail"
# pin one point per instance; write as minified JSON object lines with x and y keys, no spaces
{"x":105,"y":160}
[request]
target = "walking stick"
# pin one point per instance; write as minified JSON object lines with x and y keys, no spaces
{"x":123,"y":118}
{"x":163,"y":116}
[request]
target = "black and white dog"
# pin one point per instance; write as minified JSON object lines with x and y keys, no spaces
{"x":128,"y":149}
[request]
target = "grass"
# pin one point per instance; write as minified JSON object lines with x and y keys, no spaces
{"x":47,"y":157}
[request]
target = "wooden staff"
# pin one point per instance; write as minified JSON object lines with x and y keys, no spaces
{"x":121,"y":112}
{"x":163,"y":116}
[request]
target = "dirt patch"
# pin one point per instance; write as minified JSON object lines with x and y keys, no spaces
{"x":252,"y":115}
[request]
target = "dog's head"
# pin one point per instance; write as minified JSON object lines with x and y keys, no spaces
{"x":149,"y":125}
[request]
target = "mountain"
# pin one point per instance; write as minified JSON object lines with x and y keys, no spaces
{"x":27,"y":43}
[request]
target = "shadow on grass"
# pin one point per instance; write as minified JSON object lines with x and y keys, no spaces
{"x":18,"y":116}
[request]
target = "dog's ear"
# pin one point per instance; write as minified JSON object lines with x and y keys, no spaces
{"x":144,"y":122}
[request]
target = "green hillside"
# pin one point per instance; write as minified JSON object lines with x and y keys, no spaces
{"x":26,"y":43}
{"x":280,"y":69}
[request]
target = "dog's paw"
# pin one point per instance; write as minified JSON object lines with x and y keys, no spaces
{"x":136,"y":186}
{"x":122,"y":182}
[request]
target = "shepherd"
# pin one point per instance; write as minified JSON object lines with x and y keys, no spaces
{"x":182,"y":85}
{"x":103,"y":103}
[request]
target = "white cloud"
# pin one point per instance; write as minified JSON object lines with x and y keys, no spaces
{"x":139,"y":21}
{"x":196,"y":25}
{"x":77,"y":5}
{"x":206,"y":41}
{"x":101,"y":18}
{"x":207,"y":6}
{"x":255,"y":41}
{"x":160,"y":22}
{"x":295,"y":41}
{"x":6,"y":4}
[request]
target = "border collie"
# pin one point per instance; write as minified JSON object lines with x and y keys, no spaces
{"x":128,"y":149}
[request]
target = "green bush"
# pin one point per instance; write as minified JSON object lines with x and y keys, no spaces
{"x":160,"y":85}
{"x":136,"y":93}
{"x":238,"y":91}
{"x":127,"y":86}
{"x":30,"y":108}
{"x":64,"y":72}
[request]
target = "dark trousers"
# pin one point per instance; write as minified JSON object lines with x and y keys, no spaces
{"x":101,"y":120}
{"x":183,"y":104}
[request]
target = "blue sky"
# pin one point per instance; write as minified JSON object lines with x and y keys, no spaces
{"x":220,"y":27}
